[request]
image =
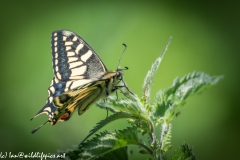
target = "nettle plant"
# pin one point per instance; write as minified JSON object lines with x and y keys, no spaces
{"x":143,"y":116}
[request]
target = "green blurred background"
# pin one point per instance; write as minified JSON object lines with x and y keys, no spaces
{"x":205,"y":38}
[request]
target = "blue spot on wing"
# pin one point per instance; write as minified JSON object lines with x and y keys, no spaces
{"x":57,"y":93}
{"x":59,"y":88}
{"x":59,"y":85}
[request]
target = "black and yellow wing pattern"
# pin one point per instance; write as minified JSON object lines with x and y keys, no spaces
{"x":80,"y":78}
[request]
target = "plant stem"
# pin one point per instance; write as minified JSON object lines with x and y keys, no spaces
{"x":146,"y":148}
{"x":163,"y":133}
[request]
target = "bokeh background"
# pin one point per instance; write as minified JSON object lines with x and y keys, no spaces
{"x":205,"y":38}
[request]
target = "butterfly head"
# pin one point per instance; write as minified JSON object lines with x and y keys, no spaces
{"x":117,"y":79}
{"x":119,"y":74}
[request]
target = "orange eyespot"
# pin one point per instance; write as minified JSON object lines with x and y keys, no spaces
{"x":65,"y":116}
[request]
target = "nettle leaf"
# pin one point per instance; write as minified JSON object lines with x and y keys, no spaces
{"x":133,"y":108}
{"x":128,"y":105}
{"x":108,"y":104}
{"x":107,"y":142}
{"x":181,"y":90}
{"x":117,"y":154}
{"x":102,"y":123}
{"x":183,"y":153}
{"x":166,"y":137}
{"x":147,"y":84}
{"x":72,"y":153}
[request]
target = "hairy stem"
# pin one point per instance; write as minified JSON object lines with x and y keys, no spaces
{"x":165,"y":128}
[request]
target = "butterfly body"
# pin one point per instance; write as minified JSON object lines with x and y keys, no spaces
{"x":82,"y":97}
{"x":80,"y":78}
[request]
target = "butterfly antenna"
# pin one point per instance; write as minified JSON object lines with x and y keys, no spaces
{"x":35,"y":130}
{"x":125,"y":47}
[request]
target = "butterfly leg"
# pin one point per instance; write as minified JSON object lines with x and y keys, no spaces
{"x":105,"y":99}
{"x":107,"y":113}
{"x":124,"y":86}
{"x":117,"y":95}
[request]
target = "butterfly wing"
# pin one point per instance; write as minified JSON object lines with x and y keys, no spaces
{"x":81,"y":97}
{"x":74,"y":64}
{"x":73,"y":58}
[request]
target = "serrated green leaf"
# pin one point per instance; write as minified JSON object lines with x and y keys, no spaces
{"x":181,"y":89}
{"x":127,"y":105}
{"x":143,"y":151}
{"x":108,"y":141}
{"x":102,"y":123}
{"x":117,"y":154}
{"x":146,"y":88}
{"x":143,"y":125}
{"x":72,"y":153}
{"x":183,"y":153}
{"x":166,"y":136}
{"x":107,"y":104}
{"x":131,"y":106}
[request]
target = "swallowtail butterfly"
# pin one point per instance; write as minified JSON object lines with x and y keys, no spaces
{"x":80,"y":78}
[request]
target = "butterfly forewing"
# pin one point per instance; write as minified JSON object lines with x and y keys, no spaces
{"x":73,"y":58}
